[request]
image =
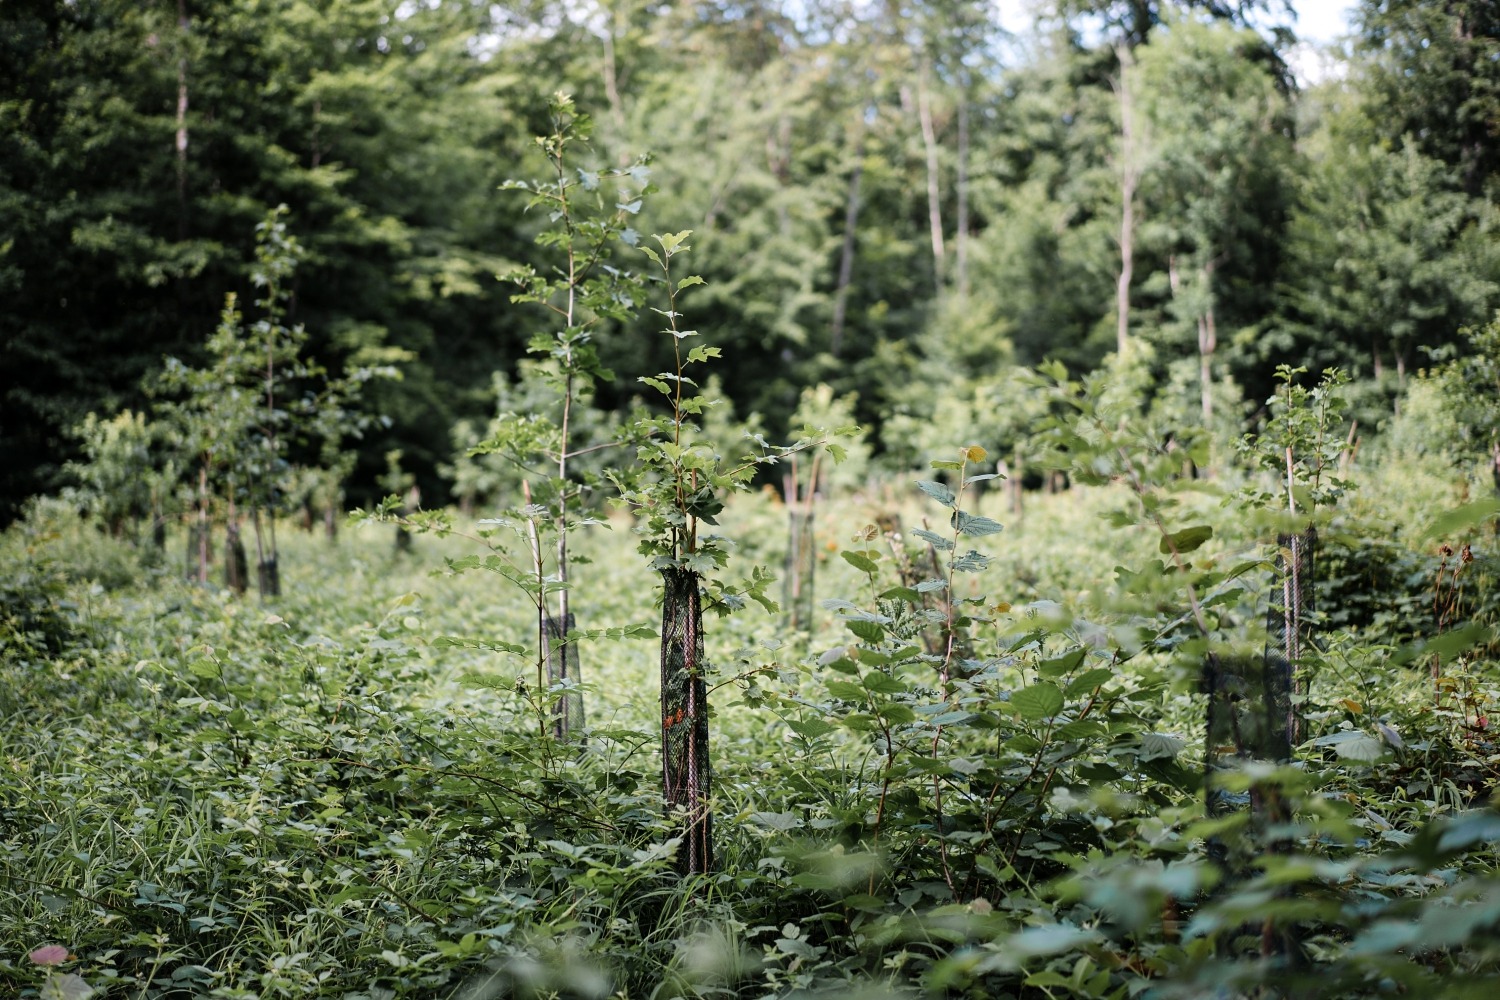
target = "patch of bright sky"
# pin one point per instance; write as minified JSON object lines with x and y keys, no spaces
{"x":1320,"y":24}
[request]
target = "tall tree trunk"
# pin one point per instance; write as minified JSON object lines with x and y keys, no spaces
{"x":1208,"y":337}
{"x":267,"y":564}
{"x":268,"y":570}
{"x":846,"y":258}
{"x":203,"y":524}
{"x":779,"y":162}
{"x":1208,"y":344}
{"x":611,"y":74}
{"x":961,"y":231}
{"x":934,"y":195}
{"x":182,"y":110}
{"x":1129,"y":179}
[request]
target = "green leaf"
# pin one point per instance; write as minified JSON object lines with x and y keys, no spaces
{"x":970,"y":562}
{"x":1159,"y":746}
{"x":1037,"y":701}
{"x":1353,"y":744}
{"x":867,"y":630}
{"x":657,"y":384}
{"x":1088,"y":680}
{"x":1081,"y":730}
{"x":689,"y":281}
{"x":935,"y":540}
{"x":1059,"y":665}
{"x":1443,"y":646}
{"x":809,"y":729}
{"x":972,"y":524}
{"x":882,"y":683}
{"x":896,"y":714}
{"x":1186,"y":540}
{"x":938,"y":492}
{"x":847,"y":690}
{"x":1462,"y":520}
{"x":494,"y":645}
{"x":860,"y":561}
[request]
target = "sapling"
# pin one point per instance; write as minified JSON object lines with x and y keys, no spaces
{"x":591,"y":211}
{"x":678,"y":498}
{"x":236,"y":417}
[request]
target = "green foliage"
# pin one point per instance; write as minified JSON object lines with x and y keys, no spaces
{"x":979,"y":772}
{"x":353,"y":794}
{"x":1304,"y":442}
{"x":681,"y":479}
{"x":118,"y":480}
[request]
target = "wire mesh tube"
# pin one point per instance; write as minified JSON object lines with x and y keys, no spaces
{"x":684,"y":706}
{"x":1253,"y":711}
{"x":562,"y":668}
{"x":1287,"y":634}
{"x":801,"y":560}
{"x":1254,"y":714}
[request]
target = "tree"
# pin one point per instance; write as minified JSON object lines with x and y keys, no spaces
{"x":1432,"y":76}
{"x":1385,"y":254}
{"x":1220,"y":158}
{"x":1135,"y":20}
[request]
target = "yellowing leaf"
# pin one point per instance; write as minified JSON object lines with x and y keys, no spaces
{"x":974,"y":453}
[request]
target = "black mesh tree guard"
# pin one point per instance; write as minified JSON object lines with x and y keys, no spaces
{"x":236,"y":563}
{"x":1252,"y":709}
{"x":562,"y":667}
{"x":1288,"y":633}
{"x":1253,"y":715}
{"x":1252,"y":706}
{"x":801,"y":558}
{"x":684,"y":709}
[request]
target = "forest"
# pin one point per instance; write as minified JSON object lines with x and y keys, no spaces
{"x":765,"y":499}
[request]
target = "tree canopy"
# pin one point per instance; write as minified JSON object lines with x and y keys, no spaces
{"x":888,"y":199}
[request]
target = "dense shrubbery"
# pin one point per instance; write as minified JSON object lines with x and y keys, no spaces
{"x":993,"y":792}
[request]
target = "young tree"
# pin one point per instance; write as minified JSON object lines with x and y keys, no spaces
{"x":582,"y":289}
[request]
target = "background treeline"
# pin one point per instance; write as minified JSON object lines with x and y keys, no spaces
{"x":893,"y":198}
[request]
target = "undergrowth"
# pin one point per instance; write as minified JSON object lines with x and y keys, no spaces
{"x":206,"y":797}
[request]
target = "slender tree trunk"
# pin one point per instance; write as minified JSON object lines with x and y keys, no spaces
{"x":961,"y":232}
{"x":934,"y":195}
{"x":611,"y":76}
{"x":267,"y":566}
{"x":1208,"y":337}
{"x":801,"y":558}
{"x":1208,"y":343}
{"x":779,"y":161}
{"x":846,"y":258}
{"x":1129,"y":178}
{"x":183,"y":26}
{"x":203,"y":542}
